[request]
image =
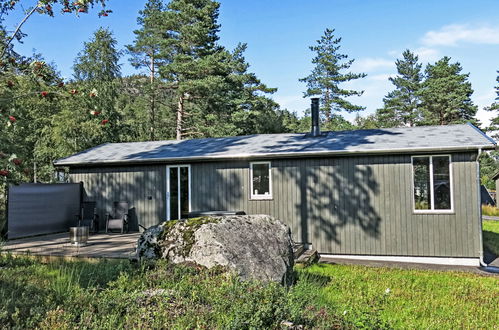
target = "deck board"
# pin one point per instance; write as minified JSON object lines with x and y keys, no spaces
{"x":121,"y":246}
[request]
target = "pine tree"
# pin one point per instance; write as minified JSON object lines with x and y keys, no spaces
{"x":369,"y":122}
{"x":134,"y":103}
{"x":145,"y":53}
{"x":243,"y":98}
{"x":402,"y":105}
{"x":215,"y":93}
{"x":446,"y":94}
{"x":327,"y":76}
{"x":494,"y":123}
{"x":195,"y":62}
{"x":489,"y":164}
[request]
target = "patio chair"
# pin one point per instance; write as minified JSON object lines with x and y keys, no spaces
{"x":88,"y":216}
{"x":118,"y":219}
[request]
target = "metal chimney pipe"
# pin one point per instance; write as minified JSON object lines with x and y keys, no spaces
{"x":316,"y":130}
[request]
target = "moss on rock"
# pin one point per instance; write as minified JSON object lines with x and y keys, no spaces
{"x":187,"y":228}
{"x":252,"y":246}
{"x":188,"y":233}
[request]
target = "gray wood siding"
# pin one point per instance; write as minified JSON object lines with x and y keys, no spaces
{"x":133,"y":184}
{"x":350,"y":205}
{"x":342,"y":205}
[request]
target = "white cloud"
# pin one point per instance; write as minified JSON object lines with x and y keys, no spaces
{"x":372,"y":64}
{"x":429,"y":48}
{"x":426,"y":54}
{"x":395,"y":53}
{"x":485,"y":99}
{"x":482,"y":101}
{"x":485,"y":116}
{"x":451,"y":35}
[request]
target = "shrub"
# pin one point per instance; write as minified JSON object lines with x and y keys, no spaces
{"x":155,"y":295}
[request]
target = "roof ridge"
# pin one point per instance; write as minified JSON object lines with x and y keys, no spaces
{"x":458,"y":137}
{"x":294,"y":133}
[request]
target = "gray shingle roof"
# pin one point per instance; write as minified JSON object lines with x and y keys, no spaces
{"x":408,"y":139}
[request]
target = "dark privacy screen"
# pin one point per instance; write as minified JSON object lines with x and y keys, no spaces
{"x":35,"y":209}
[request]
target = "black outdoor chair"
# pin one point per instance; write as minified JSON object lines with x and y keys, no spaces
{"x":118,"y":219}
{"x":88,"y":216}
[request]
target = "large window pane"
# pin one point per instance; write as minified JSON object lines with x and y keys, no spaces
{"x":184,"y":192}
{"x":432,"y":183}
{"x":261,"y":179}
{"x":422,"y":194}
{"x":441,"y":182}
{"x":173,"y":193}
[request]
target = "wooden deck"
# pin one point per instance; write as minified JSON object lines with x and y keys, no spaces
{"x":57,"y":245}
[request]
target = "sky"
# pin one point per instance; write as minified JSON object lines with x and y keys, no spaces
{"x":278,"y":34}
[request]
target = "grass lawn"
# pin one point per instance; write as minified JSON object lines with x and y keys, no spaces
{"x":491,"y":236}
{"x":117,"y":294}
{"x":412,"y":298}
{"x":120,"y":294}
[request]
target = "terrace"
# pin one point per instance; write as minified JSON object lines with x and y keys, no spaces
{"x":120,"y":246}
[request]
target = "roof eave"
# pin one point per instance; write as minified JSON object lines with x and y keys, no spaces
{"x":58,"y":163}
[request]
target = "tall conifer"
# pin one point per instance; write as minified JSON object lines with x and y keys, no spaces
{"x":494,"y":123}
{"x":402,"y":106}
{"x":145,"y":52}
{"x":446,"y":94}
{"x":327,"y":76}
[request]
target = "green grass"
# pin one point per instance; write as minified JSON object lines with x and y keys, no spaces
{"x":491,"y":236}
{"x":116,"y":294}
{"x":112,"y":294}
{"x":411,"y":299}
{"x":490,"y":210}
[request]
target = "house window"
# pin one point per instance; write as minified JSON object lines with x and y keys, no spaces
{"x":260,"y":180}
{"x":432,"y":183}
{"x":60,"y":176}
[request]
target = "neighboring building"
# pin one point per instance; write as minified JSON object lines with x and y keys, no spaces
{"x":486,"y":197}
{"x":404,"y":192}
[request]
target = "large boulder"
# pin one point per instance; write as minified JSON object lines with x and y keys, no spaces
{"x":253,"y":246}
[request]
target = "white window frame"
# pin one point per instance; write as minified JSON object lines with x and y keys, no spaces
{"x":168,"y":215}
{"x":260,"y":197}
{"x":432,"y":191}
{"x":61,"y":176}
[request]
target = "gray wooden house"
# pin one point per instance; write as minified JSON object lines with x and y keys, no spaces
{"x":401,"y":193}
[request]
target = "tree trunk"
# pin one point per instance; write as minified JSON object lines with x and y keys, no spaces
{"x":153,"y":100}
{"x":328,"y":106}
{"x":180,"y":116}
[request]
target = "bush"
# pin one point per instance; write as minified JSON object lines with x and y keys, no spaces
{"x":122,"y":295}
